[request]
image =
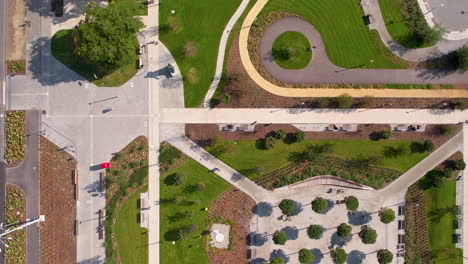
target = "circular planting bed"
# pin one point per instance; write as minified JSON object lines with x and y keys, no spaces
{"x":291,"y":50}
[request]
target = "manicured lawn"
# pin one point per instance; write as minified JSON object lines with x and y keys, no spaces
{"x":141,"y":6}
{"x":61,"y":50}
{"x":192,"y":35}
{"x":291,"y":50}
{"x":246,"y":156}
{"x":441,"y":233}
{"x":347,"y":39}
{"x":131,"y":238}
{"x":191,"y":250}
{"x":399,"y":29}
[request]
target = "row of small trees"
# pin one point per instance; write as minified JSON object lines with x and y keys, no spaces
{"x":338,"y":255}
{"x":270,"y":140}
{"x":433,"y":179}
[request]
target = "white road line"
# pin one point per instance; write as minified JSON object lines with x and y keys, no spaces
{"x":30,"y":94}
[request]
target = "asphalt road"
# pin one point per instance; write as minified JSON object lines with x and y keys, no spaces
{"x":3,"y":15}
{"x":26,"y":176}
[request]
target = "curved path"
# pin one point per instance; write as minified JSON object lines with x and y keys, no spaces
{"x":321,"y":70}
{"x":221,"y":51}
{"x":323,"y":92}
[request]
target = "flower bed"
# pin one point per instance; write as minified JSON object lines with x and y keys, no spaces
{"x":15,"y":213}
{"x":15,"y":136}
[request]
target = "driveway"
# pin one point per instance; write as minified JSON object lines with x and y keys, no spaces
{"x":26,"y":176}
{"x":322,"y":70}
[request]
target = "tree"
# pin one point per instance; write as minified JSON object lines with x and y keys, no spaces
{"x":106,"y":37}
{"x":455,"y":164}
{"x":299,"y":136}
{"x":352,"y":203}
{"x":394,"y":152}
{"x":368,"y":235}
{"x":387,"y":215}
{"x":281,"y":54}
{"x":447,"y":173}
{"x":287,"y":207}
{"x":428,"y":146}
{"x":319,"y":205}
{"x":343,"y":230}
{"x":270,"y":142}
{"x":384,"y":256}
{"x":338,"y":255}
{"x":344,"y":101}
{"x":462,"y":58}
{"x":280,"y":134}
{"x":305,"y":256}
{"x":179,"y":178}
{"x":314,"y":231}
{"x":218,"y":147}
{"x":378,"y":135}
{"x":277,"y":261}
{"x":280,"y":238}
{"x":432,"y":35}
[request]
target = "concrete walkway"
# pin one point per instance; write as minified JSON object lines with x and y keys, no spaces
{"x":322,"y":70}
{"x":221,"y":169}
{"x":297,"y":115}
{"x":399,"y":186}
{"x":443,"y":47}
{"x":221,"y":52}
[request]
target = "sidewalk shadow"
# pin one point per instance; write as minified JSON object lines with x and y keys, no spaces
{"x":93,"y":260}
{"x":46,"y":69}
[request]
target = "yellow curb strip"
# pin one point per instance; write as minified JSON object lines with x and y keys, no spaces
{"x":325,"y":92}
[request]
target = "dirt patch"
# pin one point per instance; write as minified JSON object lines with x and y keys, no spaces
{"x":174,"y":23}
{"x":57,"y":233}
{"x":245,"y":93}
{"x":203,"y":133}
{"x":190,"y":49}
{"x":192,"y":75}
{"x":15,"y":212}
{"x":16,"y":30}
{"x":234,"y":208}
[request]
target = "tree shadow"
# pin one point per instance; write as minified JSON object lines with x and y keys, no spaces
{"x":256,"y":239}
{"x":278,"y":253}
{"x":46,"y":69}
{"x":356,"y":257}
{"x":236,"y":176}
{"x":291,"y":232}
{"x":93,"y":260}
{"x":263,"y":209}
{"x":318,"y":255}
{"x":336,"y":240}
{"x":359,"y":218}
{"x":257,"y":261}
{"x":330,"y":205}
{"x":297,"y":208}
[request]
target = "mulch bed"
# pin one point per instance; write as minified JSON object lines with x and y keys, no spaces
{"x":417,"y":234}
{"x":233,"y":207}
{"x":245,"y":93}
{"x":57,"y":233}
{"x":203,"y":133}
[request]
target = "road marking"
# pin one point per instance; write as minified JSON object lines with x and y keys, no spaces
{"x":30,"y":94}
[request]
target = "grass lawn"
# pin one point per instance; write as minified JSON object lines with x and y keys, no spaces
{"x":191,"y":250}
{"x":291,"y":50}
{"x":192,"y":35}
{"x":246,"y":156}
{"x":131,"y":238}
{"x":141,"y":6}
{"x":399,"y":29}
{"x":440,"y":234}
{"x":60,"y":46}
{"x":340,"y":22}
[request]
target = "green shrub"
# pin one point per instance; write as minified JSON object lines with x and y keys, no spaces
{"x":179,"y":178}
{"x":462,"y":58}
{"x":287,"y":207}
{"x":447,"y":173}
{"x":200,"y":186}
{"x":280,"y":134}
{"x":444,"y":129}
{"x":368,"y":235}
{"x":378,"y":135}
{"x":277,"y":261}
{"x":305,"y":256}
{"x":394,"y":152}
{"x":315,"y":231}
{"x":338,"y":255}
{"x":432,"y":179}
{"x":270,"y":142}
{"x":352,"y":203}
{"x":299,"y":136}
{"x":138,"y":177}
{"x":343,"y":230}
{"x":428,"y":146}
{"x":323,"y":102}
{"x":319,"y":205}
{"x":168,"y":153}
{"x":344,"y":101}
{"x":387,"y":215}
{"x":384,"y":256}
{"x":280,"y":238}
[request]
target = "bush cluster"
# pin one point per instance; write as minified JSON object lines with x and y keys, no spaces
{"x":319,"y":205}
{"x":387,"y":215}
{"x":426,"y":146}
